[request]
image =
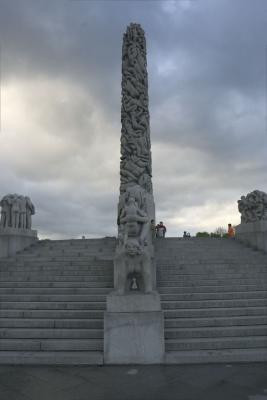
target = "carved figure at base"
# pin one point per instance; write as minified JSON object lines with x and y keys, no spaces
{"x":132,"y":259}
{"x":134,"y":250}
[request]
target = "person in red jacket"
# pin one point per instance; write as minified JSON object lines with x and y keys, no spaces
{"x":161,"y":230}
{"x":231,"y":231}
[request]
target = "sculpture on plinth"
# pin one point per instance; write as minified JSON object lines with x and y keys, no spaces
{"x":16,"y":212}
{"x":134,"y":319}
{"x":253,"y":207}
{"x":15,"y":224}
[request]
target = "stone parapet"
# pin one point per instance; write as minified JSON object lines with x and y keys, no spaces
{"x":253,"y":234}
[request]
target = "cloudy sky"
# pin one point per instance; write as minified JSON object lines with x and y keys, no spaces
{"x":60,"y":109}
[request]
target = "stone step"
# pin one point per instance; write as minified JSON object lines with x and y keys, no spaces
{"x":53,"y":297}
{"x":218,"y":275}
{"x":202,"y":246}
{"x":53,"y":256}
{"x":88,"y":246}
{"x":170,"y":259}
{"x":214,"y":312}
{"x":214,"y":321}
{"x":215,"y":332}
{"x":209,"y":289}
{"x":51,"y":344}
{"x":51,"y":323}
{"x":56,"y":314}
{"x":212,"y":267}
{"x":59,"y":279}
{"x":51,"y":357}
{"x":49,"y":305}
{"x":61,"y":274}
{"x":247,"y":342}
{"x":76,"y":242}
{"x":23,"y":285}
{"x":46,"y":333}
{"x":216,"y":356}
{"x":58,"y":271}
{"x":53,"y":261}
{"x":208,"y":281}
{"x":259,"y":294}
{"x":53,"y":291}
{"x":194,"y":250}
{"x":214,"y":303}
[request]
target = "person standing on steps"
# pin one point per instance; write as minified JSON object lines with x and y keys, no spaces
{"x":161,"y":230}
{"x":231,"y":231}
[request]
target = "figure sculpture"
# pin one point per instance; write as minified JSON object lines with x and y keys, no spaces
{"x":253,"y":206}
{"x":16,"y":211}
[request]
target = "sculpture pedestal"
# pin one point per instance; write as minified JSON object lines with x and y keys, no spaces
{"x":133,"y":329}
{"x":13,"y":240}
{"x":253,"y":234}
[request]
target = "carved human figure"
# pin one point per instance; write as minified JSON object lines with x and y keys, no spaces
{"x":133,"y":258}
{"x":5,"y":211}
{"x":30,"y":210}
{"x":15,"y":210}
{"x":22,"y":211}
{"x":134,"y":221}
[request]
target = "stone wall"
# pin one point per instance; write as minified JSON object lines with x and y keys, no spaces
{"x":253,"y":234}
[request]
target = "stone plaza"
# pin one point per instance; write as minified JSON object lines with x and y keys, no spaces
{"x":136,"y":298}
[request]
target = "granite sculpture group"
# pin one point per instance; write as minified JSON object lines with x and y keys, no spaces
{"x":253,"y":228}
{"x":253,"y":206}
{"x":15,"y":224}
{"x":16,"y":212}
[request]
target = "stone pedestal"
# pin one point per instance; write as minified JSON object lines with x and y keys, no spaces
{"x":13,"y":240}
{"x":133,"y":329}
{"x":253,"y":234}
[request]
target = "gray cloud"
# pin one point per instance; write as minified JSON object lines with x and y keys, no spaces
{"x":61,"y":68}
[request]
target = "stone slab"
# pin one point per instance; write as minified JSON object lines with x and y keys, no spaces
{"x":133,"y":338}
{"x":136,"y":302}
{"x":13,"y":240}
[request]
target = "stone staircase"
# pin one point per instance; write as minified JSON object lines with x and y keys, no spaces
{"x":53,"y":298}
{"x":52,"y":302}
{"x":214,"y":297}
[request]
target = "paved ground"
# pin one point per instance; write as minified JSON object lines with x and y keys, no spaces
{"x":198,"y":382}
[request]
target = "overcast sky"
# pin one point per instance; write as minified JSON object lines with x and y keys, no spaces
{"x":60,"y":109}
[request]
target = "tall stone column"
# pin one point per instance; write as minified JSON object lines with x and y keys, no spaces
{"x":134,"y":320}
{"x":135,"y":167}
